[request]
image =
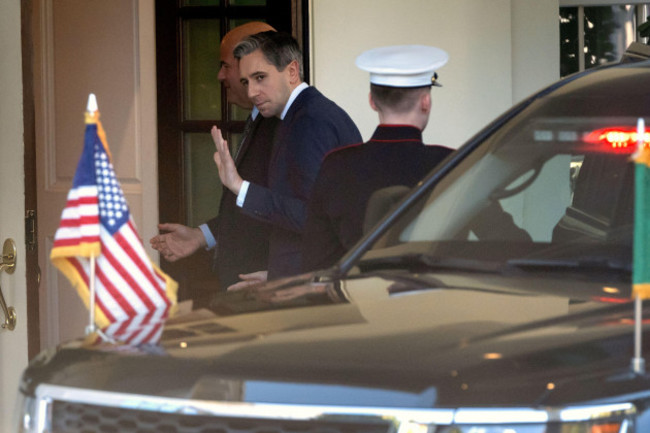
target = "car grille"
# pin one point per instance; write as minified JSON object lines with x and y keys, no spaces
{"x":57,"y":409}
{"x":71,"y":417}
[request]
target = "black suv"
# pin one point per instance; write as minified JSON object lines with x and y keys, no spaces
{"x":494,"y":298}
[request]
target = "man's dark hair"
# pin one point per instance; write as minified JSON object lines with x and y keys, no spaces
{"x":279,"y":49}
{"x":396,"y":99}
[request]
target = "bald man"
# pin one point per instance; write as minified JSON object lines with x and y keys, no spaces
{"x":236,"y":93}
{"x":241,"y":242}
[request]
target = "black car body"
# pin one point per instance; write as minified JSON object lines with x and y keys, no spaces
{"x":495,"y":298}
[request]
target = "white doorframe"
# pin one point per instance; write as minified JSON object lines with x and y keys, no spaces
{"x":13,"y":344}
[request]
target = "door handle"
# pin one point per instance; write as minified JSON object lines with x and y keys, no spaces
{"x":8,"y":264}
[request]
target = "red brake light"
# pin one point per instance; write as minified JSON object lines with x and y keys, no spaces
{"x":610,"y":300}
{"x":622,"y":138}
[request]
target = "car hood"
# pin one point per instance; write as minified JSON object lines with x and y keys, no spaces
{"x":382,"y":340}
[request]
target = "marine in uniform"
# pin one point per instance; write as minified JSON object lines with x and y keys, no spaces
{"x":401,"y":78}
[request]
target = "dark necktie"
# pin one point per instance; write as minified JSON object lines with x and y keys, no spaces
{"x":247,"y":129}
{"x":248,"y":126}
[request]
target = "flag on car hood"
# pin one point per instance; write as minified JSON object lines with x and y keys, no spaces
{"x":132,"y":295}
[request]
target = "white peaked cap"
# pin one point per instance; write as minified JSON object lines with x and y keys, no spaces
{"x":403,"y":65}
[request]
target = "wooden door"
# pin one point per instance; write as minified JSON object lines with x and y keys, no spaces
{"x":82,"y":47}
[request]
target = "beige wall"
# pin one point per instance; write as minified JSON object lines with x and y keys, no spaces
{"x":500,"y":51}
{"x":535,"y":46}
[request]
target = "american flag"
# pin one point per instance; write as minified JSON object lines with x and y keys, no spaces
{"x":132,"y":295}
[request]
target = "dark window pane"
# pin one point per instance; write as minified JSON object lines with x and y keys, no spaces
{"x":202,"y":184}
{"x":238,"y":113}
{"x":608,"y":32}
{"x":568,"y":41}
{"x":201,"y":2}
{"x":248,"y":2}
{"x":202,"y":90}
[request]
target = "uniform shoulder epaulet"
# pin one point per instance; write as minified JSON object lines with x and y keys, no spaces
{"x":342,"y":148}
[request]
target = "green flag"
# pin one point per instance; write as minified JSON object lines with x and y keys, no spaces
{"x":641,"y":264}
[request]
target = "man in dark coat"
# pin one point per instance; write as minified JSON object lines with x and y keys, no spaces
{"x":241,"y":242}
{"x":311,"y":125}
{"x":400,"y":91}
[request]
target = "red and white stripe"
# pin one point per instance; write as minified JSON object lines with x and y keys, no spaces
{"x":126,"y":284}
{"x":129,"y":291}
{"x":80,"y":218}
{"x":141,"y":329}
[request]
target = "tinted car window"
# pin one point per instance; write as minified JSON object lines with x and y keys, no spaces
{"x":554,"y":183}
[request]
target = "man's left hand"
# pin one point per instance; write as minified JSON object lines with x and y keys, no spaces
{"x":225,"y":164}
{"x":248,"y":280}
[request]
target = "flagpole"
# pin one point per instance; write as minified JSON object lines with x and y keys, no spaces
{"x":638,"y":362}
{"x":91,"y":326}
{"x":91,"y":108}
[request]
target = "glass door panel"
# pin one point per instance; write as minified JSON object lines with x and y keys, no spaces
{"x":247,"y":2}
{"x":569,"y":43}
{"x":201,"y":2}
{"x":608,"y":32}
{"x":202,"y":90}
{"x":202,"y":184}
{"x":594,"y":35}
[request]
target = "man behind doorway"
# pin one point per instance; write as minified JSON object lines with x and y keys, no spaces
{"x":240,"y":242}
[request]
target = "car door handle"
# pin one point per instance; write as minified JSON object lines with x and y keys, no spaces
{"x":8,"y":265}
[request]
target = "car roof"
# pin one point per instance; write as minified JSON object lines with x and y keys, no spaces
{"x":619,"y":89}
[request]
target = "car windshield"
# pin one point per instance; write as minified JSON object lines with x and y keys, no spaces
{"x":553,"y":187}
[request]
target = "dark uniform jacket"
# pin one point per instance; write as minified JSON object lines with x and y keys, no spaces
{"x":395,"y":155}
{"x":313,"y":126}
{"x":242,"y":241}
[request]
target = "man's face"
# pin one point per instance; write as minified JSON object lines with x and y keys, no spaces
{"x":229,"y":76}
{"x":268,"y":88}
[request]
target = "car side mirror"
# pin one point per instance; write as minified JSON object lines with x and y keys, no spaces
{"x":381,"y":202}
